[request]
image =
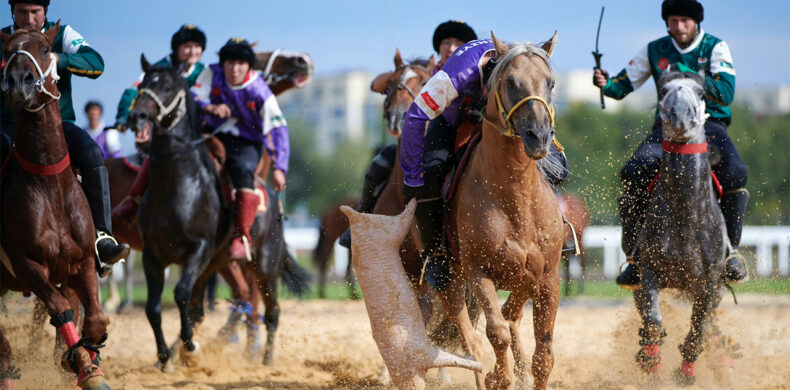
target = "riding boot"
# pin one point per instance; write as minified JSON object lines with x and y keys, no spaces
{"x":95,"y":184}
{"x":429,"y":221}
{"x":246,"y":206}
{"x":375,"y":180}
{"x":632,"y":216}
{"x":733,"y":207}
{"x":127,"y":209}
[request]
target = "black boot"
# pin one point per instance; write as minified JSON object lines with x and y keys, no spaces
{"x":372,"y":186}
{"x":108,"y":251}
{"x":733,"y":207}
{"x":632,"y":215}
{"x":429,"y":220}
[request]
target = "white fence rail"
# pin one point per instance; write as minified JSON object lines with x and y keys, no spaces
{"x":763,"y":238}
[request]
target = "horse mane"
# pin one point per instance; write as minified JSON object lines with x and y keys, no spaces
{"x":547,"y":167}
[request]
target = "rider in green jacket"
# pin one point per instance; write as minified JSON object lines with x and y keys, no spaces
{"x":691,"y":49}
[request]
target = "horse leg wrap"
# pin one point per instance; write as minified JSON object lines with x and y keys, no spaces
{"x":650,"y":358}
{"x":64,"y":322}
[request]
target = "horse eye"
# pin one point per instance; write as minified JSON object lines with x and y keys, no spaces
{"x":551,"y":85}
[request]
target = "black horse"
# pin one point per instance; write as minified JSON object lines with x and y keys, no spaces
{"x":182,"y":217}
{"x":683,"y":241}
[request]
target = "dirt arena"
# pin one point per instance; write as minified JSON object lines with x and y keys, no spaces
{"x":328,"y":345}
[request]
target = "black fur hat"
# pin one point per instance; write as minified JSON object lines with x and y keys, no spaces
{"x":237,"y":49}
{"x":188,"y":33}
{"x":44,"y":3}
{"x":690,"y":8}
{"x":453,"y":28}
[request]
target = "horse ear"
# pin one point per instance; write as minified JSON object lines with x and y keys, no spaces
{"x":431,"y":63}
{"x":398,"y":59}
{"x":548,"y":46}
{"x":500,"y":47}
{"x":254,"y":44}
{"x":53,"y":32}
{"x":144,"y":63}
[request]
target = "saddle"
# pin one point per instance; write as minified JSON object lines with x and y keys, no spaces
{"x":218,"y":155}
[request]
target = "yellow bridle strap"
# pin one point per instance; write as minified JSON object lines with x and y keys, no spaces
{"x":506,"y":117}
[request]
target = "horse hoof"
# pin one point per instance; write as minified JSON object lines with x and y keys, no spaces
{"x":650,"y":358}
{"x":189,"y":354}
{"x":684,"y":375}
{"x":268,"y":358}
{"x":92,"y":378}
{"x":492,"y":382}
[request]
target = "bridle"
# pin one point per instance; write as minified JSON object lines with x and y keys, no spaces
{"x":51,"y":72}
{"x":177,"y":104}
{"x":407,"y":75}
{"x":506,"y":115}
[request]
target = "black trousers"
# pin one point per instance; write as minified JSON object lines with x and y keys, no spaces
{"x":243,"y":157}
{"x":726,"y":163}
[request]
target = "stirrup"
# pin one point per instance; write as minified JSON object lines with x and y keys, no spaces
{"x":100,"y":235}
{"x":247,"y":250}
{"x":628,"y":260}
{"x":441,"y":252}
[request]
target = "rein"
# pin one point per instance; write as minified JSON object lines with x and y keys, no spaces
{"x":672,"y":147}
{"x":51,"y":71}
{"x":506,"y":115}
{"x":271,"y":78}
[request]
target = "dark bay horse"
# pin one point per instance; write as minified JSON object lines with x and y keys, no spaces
{"x":683,"y":241}
{"x":333,"y":224}
{"x":283,"y":70}
{"x":506,"y":218}
{"x":181,"y":216}
{"x":47,"y":232}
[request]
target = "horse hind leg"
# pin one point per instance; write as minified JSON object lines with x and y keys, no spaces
{"x":271,"y":316}
{"x":691,"y":348}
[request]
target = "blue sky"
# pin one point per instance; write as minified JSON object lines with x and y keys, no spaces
{"x":342,"y":35}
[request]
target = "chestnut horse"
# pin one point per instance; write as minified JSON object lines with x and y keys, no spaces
{"x":506,"y":219}
{"x":333,"y":224}
{"x":283,"y":70}
{"x":47,"y":232}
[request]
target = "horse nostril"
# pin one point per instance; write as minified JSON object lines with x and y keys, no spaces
{"x":300,"y":60}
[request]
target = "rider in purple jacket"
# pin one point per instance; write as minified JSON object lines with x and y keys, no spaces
{"x":427,"y":156}
{"x":245,"y":116}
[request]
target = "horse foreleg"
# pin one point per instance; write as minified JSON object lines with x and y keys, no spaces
{"x":271,"y":317}
{"x":649,"y":356}
{"x":701,"y":313}
{"x":7,"y":372}
{"x":196,"y":264}
{"x":454,"y":303}
{"x":155,"y":282}
{"x":234,"y":276}
{"x":94,"y":327}
{"x":513,"y":310}
{"x":497,"y":331}
{"x":254,"y":346}
{"x":544,"y":314}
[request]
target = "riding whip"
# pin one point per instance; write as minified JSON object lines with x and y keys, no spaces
{"x":597,"y":55}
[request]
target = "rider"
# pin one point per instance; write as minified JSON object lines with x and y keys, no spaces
{"x":245,"y":115}
{"x":447,"y":37}
{"x":74,"y":56}
{"x":108,"y":140}
{"x":693,"y":49}
{"x":187,"y":45}
{"x":427,"y":155}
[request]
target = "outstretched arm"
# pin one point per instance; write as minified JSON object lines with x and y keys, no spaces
{"x":77,"y":57}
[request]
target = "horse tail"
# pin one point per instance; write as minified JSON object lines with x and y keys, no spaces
{"x":295,"y":277}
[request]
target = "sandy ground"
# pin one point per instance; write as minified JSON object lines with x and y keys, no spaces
{"x":323,"y":345}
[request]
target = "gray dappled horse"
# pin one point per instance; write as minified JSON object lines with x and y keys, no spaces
{"x":683,"y":241}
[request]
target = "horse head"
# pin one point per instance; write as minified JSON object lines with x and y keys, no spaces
{"x":162,"y":99}
{"x":283,"y":69}
{"x":519,"y":90}
{"x":682,"y":106}
{"x":30,"y":67}
{"x":401,"y":87}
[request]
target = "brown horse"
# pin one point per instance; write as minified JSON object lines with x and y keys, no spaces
{"x":47,"y":231}
{"x":333,"y":224}
{"x":575,"y":211}
{"x":506,"y":219}
{"x":283,"y":70}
